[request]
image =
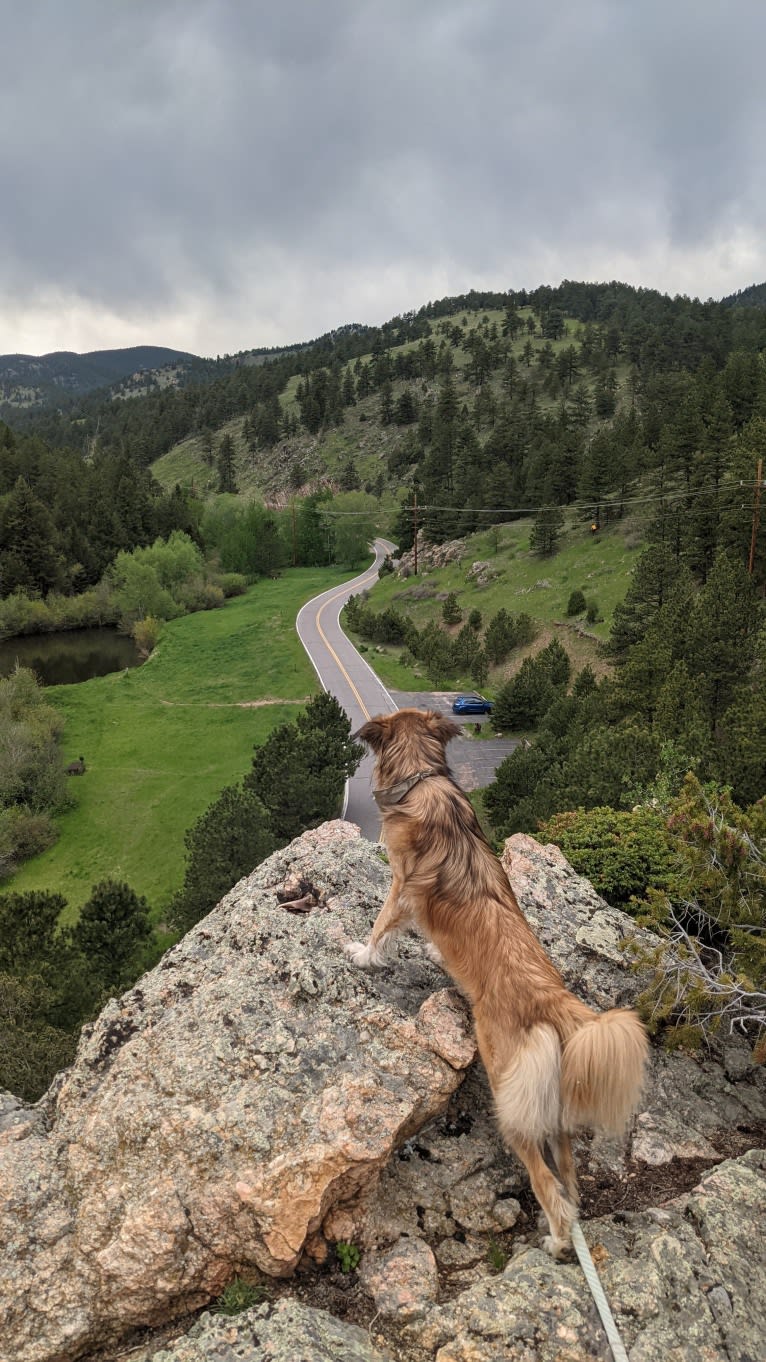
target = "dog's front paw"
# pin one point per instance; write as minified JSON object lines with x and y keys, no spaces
{"x":434,"y":954}
{"x":360,"y":954}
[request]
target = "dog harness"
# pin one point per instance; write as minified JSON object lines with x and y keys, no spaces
{"x":394,"y":794}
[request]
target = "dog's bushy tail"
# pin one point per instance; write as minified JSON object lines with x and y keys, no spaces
{"x":602,"y":1071}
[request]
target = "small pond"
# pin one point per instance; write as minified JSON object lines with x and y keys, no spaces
{"x":74,"y":655}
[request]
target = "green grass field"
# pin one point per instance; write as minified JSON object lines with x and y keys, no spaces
{"x":161,"y":741}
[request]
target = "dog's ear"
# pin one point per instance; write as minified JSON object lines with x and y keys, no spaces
{"x":443,"y":729}
{"x":373,"y":733}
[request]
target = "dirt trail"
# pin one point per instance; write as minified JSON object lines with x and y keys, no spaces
{"x":233,"y":704}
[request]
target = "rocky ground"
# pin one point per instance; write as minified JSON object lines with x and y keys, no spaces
{"x":255,"y":1100}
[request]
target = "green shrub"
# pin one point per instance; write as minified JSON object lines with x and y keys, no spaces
{"x":623,"y":854}
{"x":710,"y":971}
{"x":232,"y":583}
{"x":145,"y":633}
{"x":576,"y":603}
{"x":23,"y":833}
{"x":239,"y":1295}
{"x":199,"y":594}
{"x":592,"y":612}
{"x":21,"y":614}
{"x":31,"y":766}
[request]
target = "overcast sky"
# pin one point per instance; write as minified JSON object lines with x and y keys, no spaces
{"x":219,"y":174}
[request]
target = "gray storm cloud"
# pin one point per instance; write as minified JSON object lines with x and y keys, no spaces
{"x":261,"y":167}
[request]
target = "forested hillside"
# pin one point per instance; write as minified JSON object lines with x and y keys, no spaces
{"x":482,"y":407}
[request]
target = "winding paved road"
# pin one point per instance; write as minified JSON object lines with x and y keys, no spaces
{"x":344,"y":673}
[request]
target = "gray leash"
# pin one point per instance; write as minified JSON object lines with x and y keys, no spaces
{"x":597,"y":1291}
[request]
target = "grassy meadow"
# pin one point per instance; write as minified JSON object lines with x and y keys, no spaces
{"x":162,"y":740}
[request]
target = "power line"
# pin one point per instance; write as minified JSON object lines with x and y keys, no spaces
{"x":604,"y":500}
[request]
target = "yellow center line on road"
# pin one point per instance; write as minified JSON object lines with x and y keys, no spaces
{"x":331,"y":650}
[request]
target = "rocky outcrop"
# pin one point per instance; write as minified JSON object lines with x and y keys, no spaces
{"x":430,"y":556}
{"x":482,"y":573}
{"x":684,"y":1282}
{"x":285,"y":1333}
{"x":247,"y":1087}
{"x":255,"y":1096}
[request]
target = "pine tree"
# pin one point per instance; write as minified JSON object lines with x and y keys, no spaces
{"x":722,"y":636}
{"x":655,"y":573}
{"x":299,"y":772}
{"x":112,"y":928}
{"x":500,"y":637}
{"x":226,"y":477}
{"x":406,"y":408}
{"x":546,"y":531}
{"x":451,"y":612}
{"x":741,"y":745}
{"x":231,"y":838}
{"x":386,"y":403}
{"x":30,"y":556}
{"x":348,"y":389}
{"x":29,"y":930}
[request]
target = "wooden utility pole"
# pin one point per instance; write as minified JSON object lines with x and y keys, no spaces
{"x":295,"y":550}
{"x":415,"y":530}
{"x":756,"y":514}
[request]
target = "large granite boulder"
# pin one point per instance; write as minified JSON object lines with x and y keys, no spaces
{"x":214,"y":1115}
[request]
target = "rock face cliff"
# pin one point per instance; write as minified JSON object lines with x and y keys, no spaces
{"x":255,"y":1097}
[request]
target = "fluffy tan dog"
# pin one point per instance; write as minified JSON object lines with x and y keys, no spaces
{"x":554,"y":1065}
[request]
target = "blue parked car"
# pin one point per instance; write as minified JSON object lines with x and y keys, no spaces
{"x":471,"y":704}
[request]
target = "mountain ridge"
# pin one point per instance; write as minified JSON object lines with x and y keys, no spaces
{"x":752,"y":296}
{"x":28,"y":380}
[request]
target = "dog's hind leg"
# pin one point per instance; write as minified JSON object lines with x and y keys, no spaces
{"x":561,"y":1148}
{"x":528,"y":1105}
{"x":393,"y":917}
{"x":560,"y":1212}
